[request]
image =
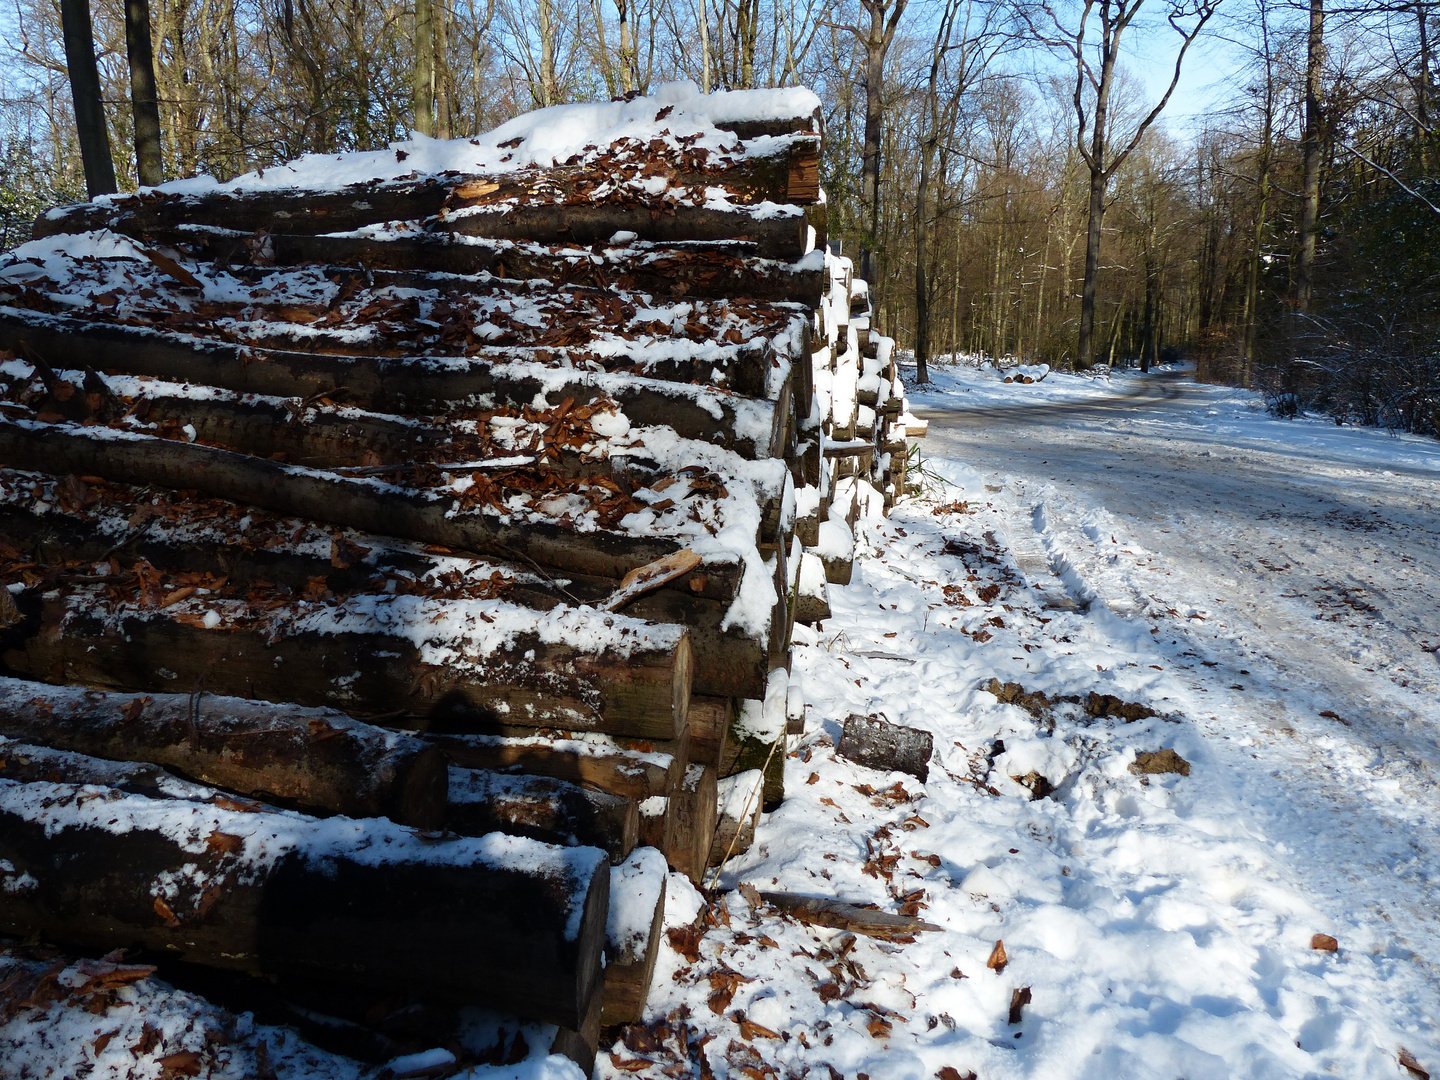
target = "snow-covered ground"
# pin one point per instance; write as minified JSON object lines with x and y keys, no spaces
{"x":1175,"y":548}
{"x":1267,"y":588}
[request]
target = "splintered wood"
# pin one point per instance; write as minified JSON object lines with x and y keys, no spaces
{"x":479,"y":502}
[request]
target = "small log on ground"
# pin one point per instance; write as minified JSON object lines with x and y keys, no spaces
{"x":821,"y":911}
{"x":540,"y":807}
{"x":312,"y":759}
{"x":282,"y":896}
{"x":739,"y":800}
{"x":630,"y":774}
{"x":695,"y":814}
{"x":632,"y":937}
{"x":540,"y":671}
{"x":878,"y":744}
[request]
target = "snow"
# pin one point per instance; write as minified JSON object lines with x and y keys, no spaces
{"x":636,"y":887}
{"x":1111,"y":538}
{"x":544,"y":137}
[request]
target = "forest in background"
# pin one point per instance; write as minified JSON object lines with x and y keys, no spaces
{"x":1007,"y":183}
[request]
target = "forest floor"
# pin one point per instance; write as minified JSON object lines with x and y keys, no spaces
{"x":1266,"y":588}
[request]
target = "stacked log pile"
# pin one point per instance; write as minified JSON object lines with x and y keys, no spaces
{"x":477,"y":501}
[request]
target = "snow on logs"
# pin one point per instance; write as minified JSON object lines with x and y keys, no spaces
{"x":282,"y":896}
{"x":316,"y":760}
{"x":535,"y":445}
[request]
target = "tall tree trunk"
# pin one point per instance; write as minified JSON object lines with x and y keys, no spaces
{"x":1095,"y":219}
{"x":545,"y":13}
{"x":443,"y":80}
{"x":85,"y":91}
{"x":149,"y":164}
{"x":1310,"y":189}
{"x":874,"y":115}
{"x":922,"y":295}
{"x":424,"y":72}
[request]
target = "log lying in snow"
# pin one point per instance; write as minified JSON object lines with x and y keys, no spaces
{"x":540,"y":807}
{"x":658,"y":822}
{"x":489,"y":661}
{"x":313,"y":759}
{"x":820,"y":911}
{"x":878,"y":744}
{"x":632,"y":937}
{"x":283,"y":896}
{"x":695,"y":814}
{"x":680,"y":269}
{"x":357,"y":503}
{"x":739,"y":801}
{"x":420,"y":385}
{"x":631,"y":774}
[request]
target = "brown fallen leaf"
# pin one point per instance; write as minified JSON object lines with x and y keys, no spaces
{"x":169,"y":266}
{"x":828,"y":990}
{"x":949,"y":1072}
{"x":750,"y":1030}
{"x":1324,"y":943}
{"x":181,"y":1063}
{"x":149,"y":1039}
{"x":102,"y":1041}
{"x":629,"y":1064}
{"x":223,"y":843}
{"x":998,"y":959}
{"x":1412,"y":1066}
{"x":165,"y":912}
{"x":750,"y":893}
{"x":878,"y":1028}
{"x":685,"y":940}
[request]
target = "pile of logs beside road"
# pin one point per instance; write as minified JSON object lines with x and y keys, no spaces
{"x":389,"y":566}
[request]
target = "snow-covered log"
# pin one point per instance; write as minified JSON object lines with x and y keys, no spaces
{"x":499,"y":920}
{"x":316,"y":760}
{"x":632,"y":938}
{"x":593,"y":760}
{"x":483,"y":801}
{"x":481,"y":662}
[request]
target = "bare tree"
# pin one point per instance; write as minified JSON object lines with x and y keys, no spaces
{"x":149,"y":160}
{"x":85,"y":92}
{"x":1096,"y":141}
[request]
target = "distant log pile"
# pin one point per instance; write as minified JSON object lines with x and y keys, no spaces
{"x":480,"y":499}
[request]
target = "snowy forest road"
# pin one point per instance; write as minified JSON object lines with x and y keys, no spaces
{"x":1291,"y":572}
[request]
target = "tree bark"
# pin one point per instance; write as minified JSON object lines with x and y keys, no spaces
{"x":631,"y":774}
{"x":484,"y":922}
{"x":726,"y":662}
{"x":631,"y":951}
{"x":90,"y":124}
{"x":838,"y":915}
{"x":314,"y":760}
{"x":695,"y":813}
{"x":713,"y":270}
{"x":542,"y":808}
{"x":395,"y":384}
{"x":149,"y":159}
{"x":1312,"y":150}
{"x":423,"y":74}
{"x":531,"y":680}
